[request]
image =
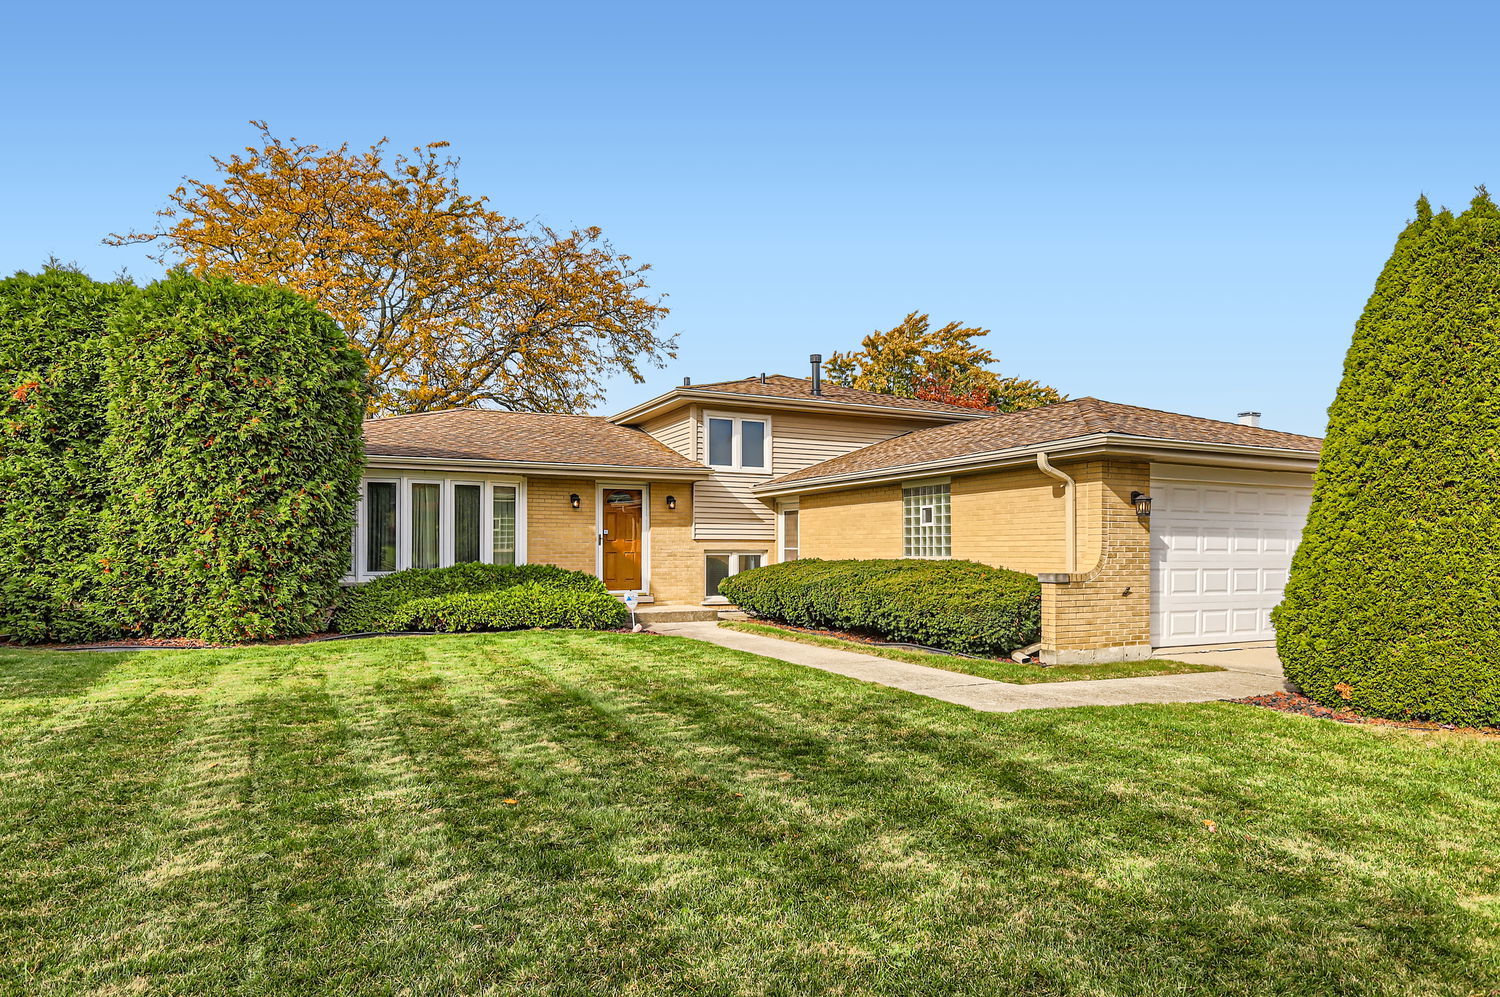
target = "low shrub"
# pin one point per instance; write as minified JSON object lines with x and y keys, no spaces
{"x":524,"y":607}
{"x":381,"y":606}
{"x":954,"y":605}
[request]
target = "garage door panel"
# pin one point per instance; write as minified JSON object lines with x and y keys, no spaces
{"x":1220,"y":555}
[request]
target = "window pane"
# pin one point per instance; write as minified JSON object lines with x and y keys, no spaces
{"x":748,"y":561}
{"x":927,"y":521}
{"x":504,"y":513}
{"x":718,"y":570}
{"x":466,"y":522}
{"x":380,"y":526}
{"x":752,"y":444}
{"x":789,"y":536}
{"x":721,"y":441}
{"x":426,"y":504}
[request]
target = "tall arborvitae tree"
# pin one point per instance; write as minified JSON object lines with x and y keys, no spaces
{"x":1393,"y":604}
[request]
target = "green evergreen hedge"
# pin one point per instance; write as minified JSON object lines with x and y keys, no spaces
{"x":52,"y":428}
{"x":524,"y":607}
{"x":1392,"y":607}
{"x":234,"y":455}
{"x":446,"y":599}
{"x":955,"y":605}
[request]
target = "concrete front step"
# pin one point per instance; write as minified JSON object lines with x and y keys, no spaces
{"x":679,"y":614}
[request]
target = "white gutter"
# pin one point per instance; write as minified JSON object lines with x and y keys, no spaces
{"x":1070,"y":508}
{"x":811,"y":403}
{"x":538,"y":468}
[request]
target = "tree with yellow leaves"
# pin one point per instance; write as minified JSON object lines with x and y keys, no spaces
{"x":915,"y":360}
{"x":453,"y":304}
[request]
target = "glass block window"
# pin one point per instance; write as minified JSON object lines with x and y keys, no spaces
{"x":927,"y":521}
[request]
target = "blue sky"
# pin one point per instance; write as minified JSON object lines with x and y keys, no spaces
{"x":1175,"y":205}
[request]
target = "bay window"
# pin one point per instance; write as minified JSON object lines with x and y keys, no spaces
{"x":409,"y":521}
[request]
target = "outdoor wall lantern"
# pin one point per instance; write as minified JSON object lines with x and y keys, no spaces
{"x":1142,"y":503}
{"x":671,"y":501}
{"x":573,"y":500}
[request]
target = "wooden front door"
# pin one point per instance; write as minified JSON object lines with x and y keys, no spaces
{"x":622,"y":539}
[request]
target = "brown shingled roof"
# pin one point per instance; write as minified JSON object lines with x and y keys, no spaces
{"x":1065,"y":420}
{"x":800,"y":389}
{"x":519,"y":437}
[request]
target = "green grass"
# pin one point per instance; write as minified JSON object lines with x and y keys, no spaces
{"x":338,"y":819}
{"x":985,"y":668}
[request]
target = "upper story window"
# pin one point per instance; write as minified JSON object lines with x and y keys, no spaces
{"x":737,"y":444}
{"x":927,"y":520}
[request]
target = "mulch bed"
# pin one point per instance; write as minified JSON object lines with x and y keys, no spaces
{"x":189,"y":644}
{"x":1293,"y":702}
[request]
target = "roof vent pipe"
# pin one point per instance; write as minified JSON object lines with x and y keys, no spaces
{"x":1250,"y":419}
{"x":817,"y":373}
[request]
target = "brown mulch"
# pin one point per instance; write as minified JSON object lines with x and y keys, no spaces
{"x":1293,"y":702}
{"x":183,"y":643}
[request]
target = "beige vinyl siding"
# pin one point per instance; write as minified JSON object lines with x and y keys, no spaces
{"x":803,"y":440}
{"x":725,"y":508}
{"x":675,"y":430}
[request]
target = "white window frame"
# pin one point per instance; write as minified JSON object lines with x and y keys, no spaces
{"x":737,"y":421}
{"x":794,"y":507}
{"x":734,"y":569}
{"x":403,"y":480}
{"x":927,"y":516}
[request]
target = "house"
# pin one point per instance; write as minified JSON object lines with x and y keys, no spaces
{"x":1147,"y":528}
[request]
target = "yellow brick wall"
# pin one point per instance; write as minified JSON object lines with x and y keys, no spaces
{"x":567,"y":537}
{"x":859,"y":523}
{"x":1104,"y":612}
{"x":556,"y":533}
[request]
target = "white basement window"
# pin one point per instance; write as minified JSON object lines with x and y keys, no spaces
{"x":719,"y":566}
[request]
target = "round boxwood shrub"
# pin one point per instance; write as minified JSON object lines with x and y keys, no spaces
{"x":954,"y":605}
{"x":234,"y":453}
{"x":1392,"y":607}
{"x":386,"y":603}
{"x":52,"y":428}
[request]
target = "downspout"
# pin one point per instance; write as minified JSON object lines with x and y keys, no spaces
{"x":1070,"y":510}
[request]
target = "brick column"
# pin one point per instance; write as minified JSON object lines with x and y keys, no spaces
{"x":1103,"y":613}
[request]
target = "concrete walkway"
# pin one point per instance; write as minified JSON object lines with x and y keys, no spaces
{"x":1248,"y":672}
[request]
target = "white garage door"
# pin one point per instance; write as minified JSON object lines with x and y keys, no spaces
{"x":1221,"y":544}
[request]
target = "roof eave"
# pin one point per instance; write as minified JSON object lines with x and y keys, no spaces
{"x":554,"y":469}
{"x":686,"y":396}
{"x":1163,"y":450}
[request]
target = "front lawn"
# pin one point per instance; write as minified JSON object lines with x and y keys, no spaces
{"x":592,"y":813}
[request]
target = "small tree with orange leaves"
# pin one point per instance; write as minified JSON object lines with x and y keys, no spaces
{"x":915,"y":360}
{"x":451,"y":303}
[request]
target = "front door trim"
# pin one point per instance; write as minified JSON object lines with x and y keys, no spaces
{"x":602,"y":486}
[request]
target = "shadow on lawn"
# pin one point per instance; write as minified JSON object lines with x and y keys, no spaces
{"x":25,"y":675}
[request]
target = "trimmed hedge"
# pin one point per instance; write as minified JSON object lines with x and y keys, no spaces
{"x":955,"y":605}
{"x":234,"y":455}
{"x":395,"y":601}
{"x":52,"y":428}
{"x":524,"y":607}
{"x":1392,"y":606}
